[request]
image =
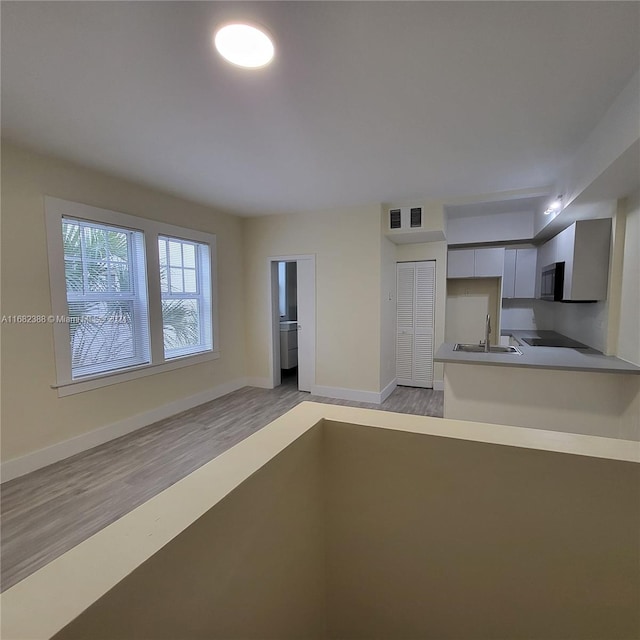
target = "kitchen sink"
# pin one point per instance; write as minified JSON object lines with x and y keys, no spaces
{"x":479,"y":348}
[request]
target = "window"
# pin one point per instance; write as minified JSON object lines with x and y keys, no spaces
{"x":130,"y":296}
{"x":186,"y":301}
{"x":106,"y":296}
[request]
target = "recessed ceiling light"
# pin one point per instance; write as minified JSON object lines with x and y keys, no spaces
{"x":554,"y":207}
{"x":244,"y":45}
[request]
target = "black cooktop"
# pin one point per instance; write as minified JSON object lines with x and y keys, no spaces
{"x":567,"y":343}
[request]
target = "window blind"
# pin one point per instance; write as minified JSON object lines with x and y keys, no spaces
{"x":185,"y":286}
{"x":108,"y":314}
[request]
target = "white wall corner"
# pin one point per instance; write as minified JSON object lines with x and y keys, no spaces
{"x":17,"y":467}
{"x":388,"y":390}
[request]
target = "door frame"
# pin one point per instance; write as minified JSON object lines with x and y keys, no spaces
{"x":274,"y":315}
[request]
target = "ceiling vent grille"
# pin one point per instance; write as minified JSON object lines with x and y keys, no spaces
{"x":394,"y":219}
{"x":416,"y":217}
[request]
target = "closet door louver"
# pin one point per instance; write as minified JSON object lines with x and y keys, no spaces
{"x":414,"y":323}
{"x":405,"y":313}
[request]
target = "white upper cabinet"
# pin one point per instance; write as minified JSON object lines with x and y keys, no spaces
{"x":509,"y":277}
{"x":547,"y":253}
{"x":489,"y":263}
{"x":475,"y":263}
{"x":584,"y":249}
{"x":519,"y":280}
{"x":461,"y":263}
{"x":526,"y":260}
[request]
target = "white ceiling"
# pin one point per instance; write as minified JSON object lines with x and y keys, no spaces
{"x":365,"y":102}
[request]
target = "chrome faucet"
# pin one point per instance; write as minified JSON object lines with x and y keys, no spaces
{"x":487,"y":332}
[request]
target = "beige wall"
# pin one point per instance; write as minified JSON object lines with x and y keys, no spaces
{"x":391,"y":531}
{"x":387,"y":306}
{"x":599,"y":404}
{"x":437,"y":538}
{"x":251,"y":567}
{"x":431,"y":251}
{"x":629,"y":327}
{"x":33,"y":417}
{"x":469,"y":300}
{"x":347,"y":247}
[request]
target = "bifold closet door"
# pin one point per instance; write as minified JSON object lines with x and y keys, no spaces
{"x":415,"y":300}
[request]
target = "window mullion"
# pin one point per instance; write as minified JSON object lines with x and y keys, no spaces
{"x":182,"y":265}
{"x":201,"y":317}
{"x":167,"y":254}
{"x":201,"y":304}
{"x":134,"y":288}
{"x":155,"y":297}
{"x":85,"y":268}
{"x":107,"y":254}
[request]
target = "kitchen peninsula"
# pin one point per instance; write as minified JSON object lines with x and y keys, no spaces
{"x":560,"y":389}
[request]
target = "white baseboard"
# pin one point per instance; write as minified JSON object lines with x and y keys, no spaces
{"x":388,"y":390}
{"x":43,"y":457}
{"x":261,"y":383}
{"x":340,"y":393}
{"x":438,"y":385}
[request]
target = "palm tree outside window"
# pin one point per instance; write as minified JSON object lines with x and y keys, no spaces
{"x":107,"y":302}
{"x":185,"y":286}
{"x":106,"y":290}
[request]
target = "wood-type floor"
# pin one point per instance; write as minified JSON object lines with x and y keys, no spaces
{"x":49,"y":511}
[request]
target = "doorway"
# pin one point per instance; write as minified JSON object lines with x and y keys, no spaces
{"x":293,"y":320}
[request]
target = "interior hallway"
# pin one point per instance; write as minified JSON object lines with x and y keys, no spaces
{"x":49,"y":511}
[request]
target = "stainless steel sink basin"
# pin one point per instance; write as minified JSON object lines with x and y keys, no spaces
{"x":479,"y":348}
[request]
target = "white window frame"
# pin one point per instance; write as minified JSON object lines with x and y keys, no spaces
{"x":138,"y":298}
{"x":55,"y":210}
{"x":202,"y":295}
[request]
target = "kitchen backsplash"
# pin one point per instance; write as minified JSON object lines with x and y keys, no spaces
{"x":526,"y":314}
{"x":585,"y":323}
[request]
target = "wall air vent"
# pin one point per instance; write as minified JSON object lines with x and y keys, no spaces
{"x":416,"y":217}
{"x":394,"y":219}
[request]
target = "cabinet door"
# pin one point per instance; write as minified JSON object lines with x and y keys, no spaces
{"x":460,"y":263}
{"x":547,"y":253}
{"x":489,"y":263}
{"x":509,"y":277}
{"x":546,"y":256}
{"x":525,"y":273}
{"x":565,"y":242}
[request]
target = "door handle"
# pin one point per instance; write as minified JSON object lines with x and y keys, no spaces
{"x":299,"y":327}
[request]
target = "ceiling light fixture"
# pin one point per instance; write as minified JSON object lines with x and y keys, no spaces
{"x":244,"y":45}
{"x":554,"y":207}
